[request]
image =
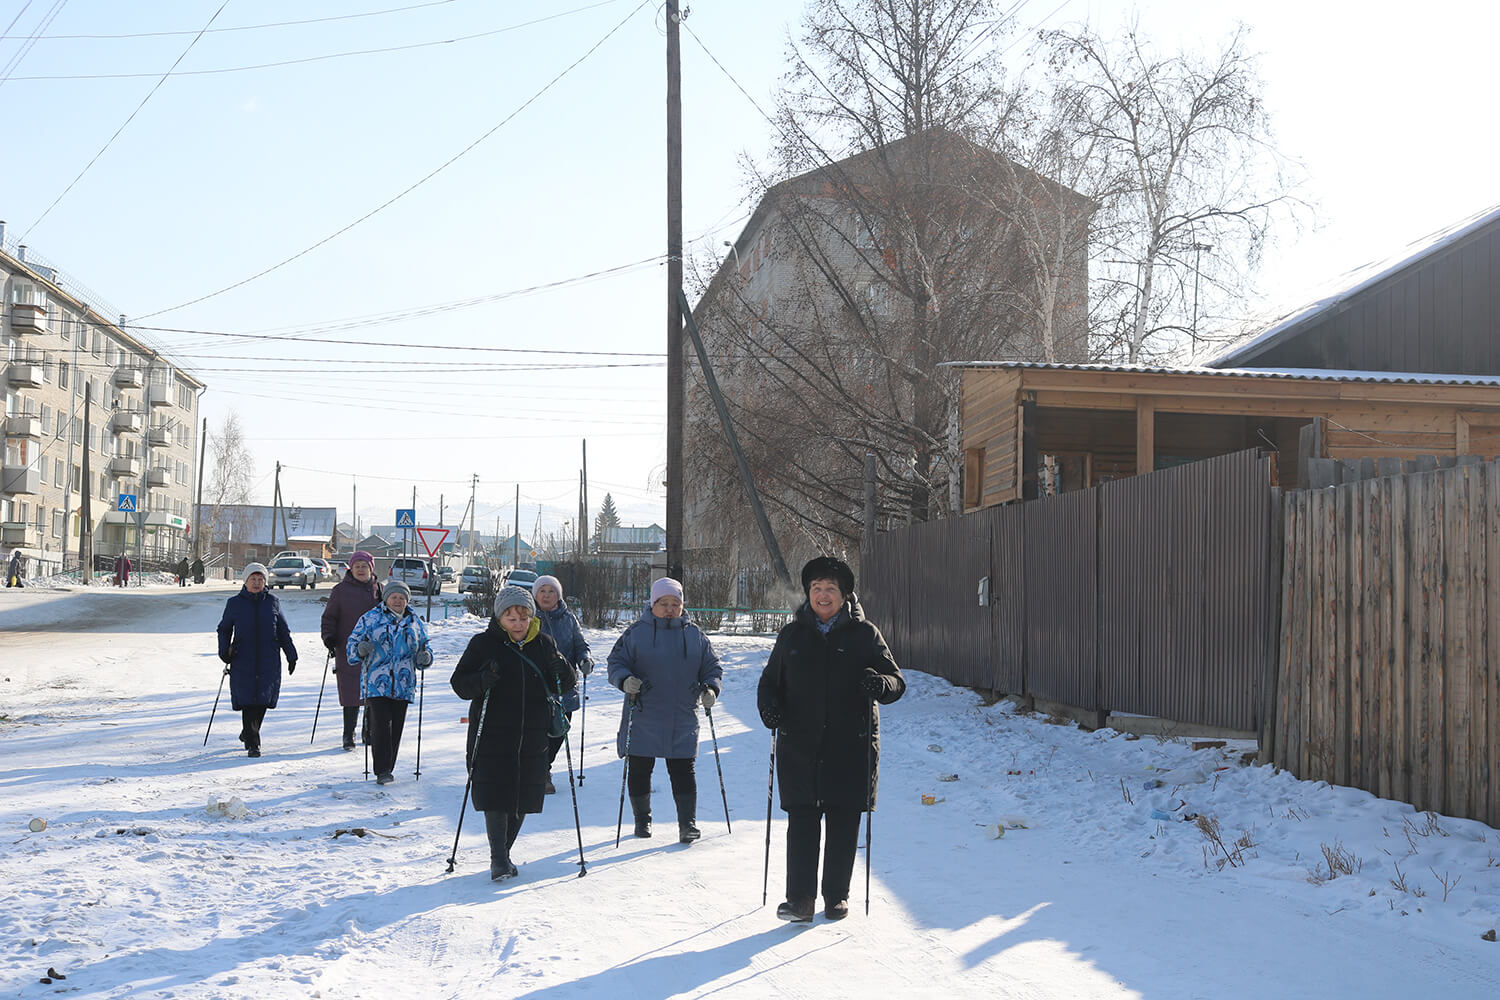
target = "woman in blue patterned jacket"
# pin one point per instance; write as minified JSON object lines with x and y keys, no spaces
{"x":388,"y":646}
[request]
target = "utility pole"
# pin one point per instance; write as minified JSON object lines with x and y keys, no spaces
{"x":409,"y":543}
{"x":85,"y":517}
{"x":583,"y":532}
{"x":354,"y":509}
{"x":674,"y":287}
{"x":516,"y":538}
{"x":473,"y":492}
{"x":83,"y":331}
{"x":275,"y":505}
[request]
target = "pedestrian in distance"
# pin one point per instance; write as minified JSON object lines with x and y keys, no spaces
{"x":15,"y":576}
{"x":351,"y":598}
{"x":197,"y":569}
{"x":253,"y":634}
{"x":122,"y":570}
{"x":388,"y":645}
{"x":820,"y":688}
{"x":181,"y":570}
{"x":561,"y":625}
{"x":512,"y":675}
{"x":668,"y":670}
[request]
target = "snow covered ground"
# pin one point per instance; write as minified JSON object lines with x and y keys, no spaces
{"x":137,"y":887}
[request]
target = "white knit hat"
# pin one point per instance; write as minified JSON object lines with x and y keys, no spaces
{"x":254,"y":568}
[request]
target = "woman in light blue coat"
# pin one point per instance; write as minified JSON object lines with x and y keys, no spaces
{"x":388,"y":646}
{"x":668,"y":668}
{"x":561,"y":625}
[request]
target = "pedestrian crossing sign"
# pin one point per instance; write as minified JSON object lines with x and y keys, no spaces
{"x":126,"y":503}
{"x":406,"y":518}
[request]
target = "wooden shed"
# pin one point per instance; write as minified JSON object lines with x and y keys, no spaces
{"x":1030,"y":428}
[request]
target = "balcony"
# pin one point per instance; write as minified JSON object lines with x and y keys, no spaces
{"x":160,"y":437}
{"x":24,"y":374}
{"x":27,"y":319}
{"x":160,"y":396}
{"x":124,"y":467}
{"x":24,"y":425}
{"x":129,"y":378}
{"x":19,"y":534}
{"x":20,"y":479}
{"x":125,"y":422}
{"x":159,"y":476}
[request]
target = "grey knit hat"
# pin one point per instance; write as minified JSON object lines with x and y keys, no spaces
{"x":396,"y":587}
{"x":512,"y":597}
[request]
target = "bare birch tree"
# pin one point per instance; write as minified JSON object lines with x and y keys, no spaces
{"x":230,"y":481}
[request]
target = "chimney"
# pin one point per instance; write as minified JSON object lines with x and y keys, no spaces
{"x":21,"y":253}
{"x":2,"y":234}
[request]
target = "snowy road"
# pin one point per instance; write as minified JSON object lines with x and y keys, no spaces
{"x":135,"y":889}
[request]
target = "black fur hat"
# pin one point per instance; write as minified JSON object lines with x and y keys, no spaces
{"x":828,"y":568}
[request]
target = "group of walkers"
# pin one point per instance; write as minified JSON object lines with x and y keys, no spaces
{"x":820,"y":692}
{"x":185,"y":571}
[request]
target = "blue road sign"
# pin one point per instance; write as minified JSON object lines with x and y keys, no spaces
{"x":406,"y":518}
{"x":126,"y":503}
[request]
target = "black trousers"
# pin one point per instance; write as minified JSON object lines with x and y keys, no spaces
{"x":679,"y":770}
{"x":841,"y":842}
{"x":251,"y":718}
{"x":387,"y":718}
{"x":351,"y":719}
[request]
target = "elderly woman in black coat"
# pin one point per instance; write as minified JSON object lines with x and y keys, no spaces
{"x":819,"y":690}
{"x":507,"y":673}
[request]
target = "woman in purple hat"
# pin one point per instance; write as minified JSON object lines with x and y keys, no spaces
{"x":352,"y":596}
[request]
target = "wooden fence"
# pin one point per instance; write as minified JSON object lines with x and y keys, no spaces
{"x":1387,"y":676}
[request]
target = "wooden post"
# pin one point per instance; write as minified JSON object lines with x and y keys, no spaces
{"x":1145,"y":435}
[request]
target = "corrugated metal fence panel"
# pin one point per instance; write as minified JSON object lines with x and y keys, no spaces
{"x":1007,"y":619}
{"x":1060,"y":577}
{"x":883,"y":584}
{"x":1184,"y":576}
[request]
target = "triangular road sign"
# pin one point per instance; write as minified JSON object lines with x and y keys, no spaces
{"x":432,"y":539}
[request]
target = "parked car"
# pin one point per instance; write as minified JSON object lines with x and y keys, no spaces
{"x":475,"y":578}
{"x":520,"y":578}
{"x":446,"y":572}
{"x":337,"y":569}
{"x":293,"y":569}
{"x":325,"y":570}
{"x":418,"y":574}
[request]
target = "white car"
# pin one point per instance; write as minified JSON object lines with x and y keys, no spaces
{"x":520,"y":578}
{"x":293,"y":569}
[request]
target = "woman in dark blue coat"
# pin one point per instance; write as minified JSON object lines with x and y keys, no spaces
{"x":252,"y":636}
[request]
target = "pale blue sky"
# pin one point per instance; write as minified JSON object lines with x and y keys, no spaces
{"x":221,"y":175}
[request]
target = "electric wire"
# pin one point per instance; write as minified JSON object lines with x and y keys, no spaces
{"x":125,"y":124}
{"x":241,"y":27}
{"x":408,"y":190}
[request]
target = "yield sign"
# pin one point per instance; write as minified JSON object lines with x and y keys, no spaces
{"x":432,"y":539}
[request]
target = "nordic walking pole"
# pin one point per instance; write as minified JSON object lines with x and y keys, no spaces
{"x":320,"y":697}
{"x":216,"y":705}
{"x":870,"y":794}
{"x":624,"y":771}
{"x":583,"y":868}
{"x":474,"y":755}
{"x":421,"y":690}
{"x":770,"y":792}
{"x":583,"y":721}
{"x":710,"y":713}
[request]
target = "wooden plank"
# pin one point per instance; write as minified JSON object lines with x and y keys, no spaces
{"x":1295,"y":684}
{"x":1393,"y":688}
{"x":1315,"y":717}
{"x":1416,"y":651}
{"x":1336,"y":603}
{"x":1374,"y":612}
{"x":1355,"y":614}
{"x":1437,"y":676}
{"x":1476,"y":621}
{"x":1456,"y":603}
{"x":1491,"y":532}
{"x":1460,"y":434}
{"x":1145,"y":435}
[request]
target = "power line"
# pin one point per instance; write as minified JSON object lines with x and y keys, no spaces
{"x":321,"y":58}
{"x":242,"y":27}
{"x":402,"y":194}
{"x":30,"y":41}
{"x":127,"y":121}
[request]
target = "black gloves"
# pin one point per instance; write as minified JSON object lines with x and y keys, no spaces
{"x":291,"y":667}
{"x":771,"y":716}
{"x":226,"y":670}
{"x":489,"y":675}
{"x":228,"y":655}
{"x":332,"y":646}
{"x":872,"y":683}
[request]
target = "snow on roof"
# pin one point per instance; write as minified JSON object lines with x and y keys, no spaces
{"x":1303,"y":374}
{"x":1339,"y":290}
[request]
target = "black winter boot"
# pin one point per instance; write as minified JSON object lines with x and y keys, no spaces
{"x":641,"y":806}
{"x":687,"y":818}
{"x":497,"y":826}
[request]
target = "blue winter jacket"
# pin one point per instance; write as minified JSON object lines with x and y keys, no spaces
{"x":391,"y":670}
{"x":255,"y":628}
{"x":675,"y":661}
{"x":562,"y":627}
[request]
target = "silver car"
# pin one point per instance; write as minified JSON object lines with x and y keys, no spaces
{"x":418,"y":574}
{"x":293,"y":569}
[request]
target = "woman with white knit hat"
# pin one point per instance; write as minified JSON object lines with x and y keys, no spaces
{"x":253,"y":634}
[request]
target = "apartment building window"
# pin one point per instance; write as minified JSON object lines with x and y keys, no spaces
{"x":62,"y":424}
{"x":62,"y":374}
{"x":46,"y":419}
{"x":47,"y":369}
{"x":75,"y":481}
{"x":57,"y":523}
{"x":57,"y":472}
{"x":98,"y":343}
